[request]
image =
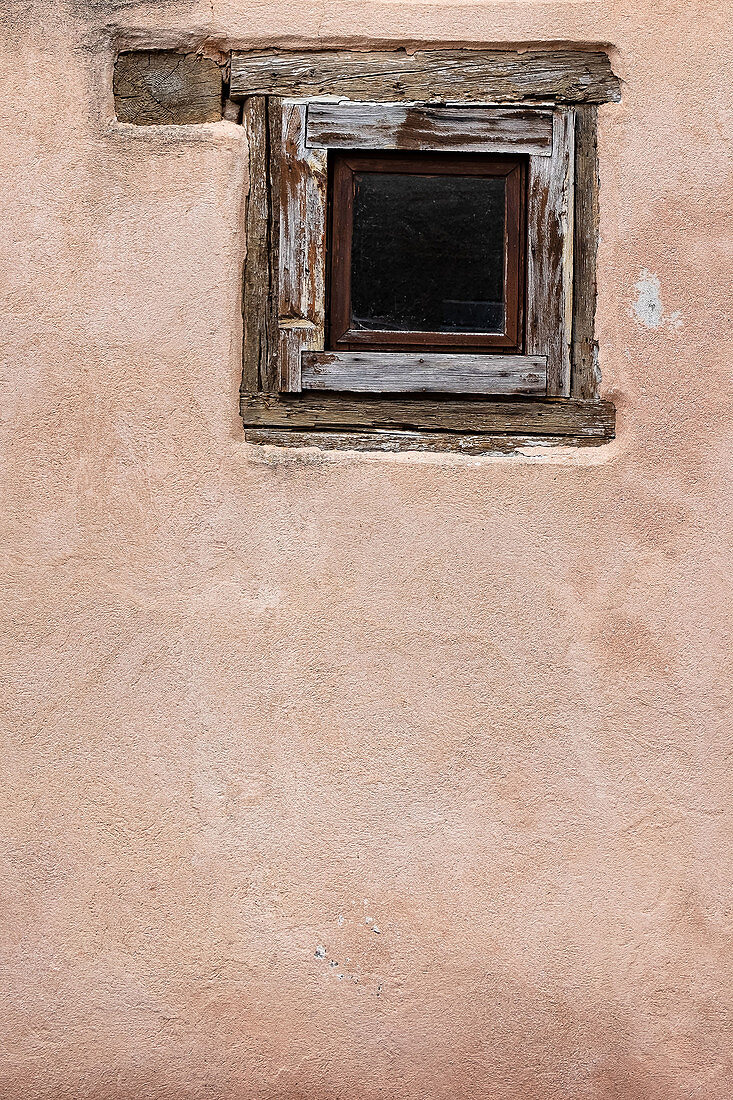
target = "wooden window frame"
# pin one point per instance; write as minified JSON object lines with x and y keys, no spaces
{"x":294,"y":389}
{"x":341,"y":337}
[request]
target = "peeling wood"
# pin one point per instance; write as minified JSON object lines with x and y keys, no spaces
{"x":549,"y":255}
{"x":427,"y":372}
{"x":338,"y":412}
{"x":294,"y":340}
{"x":436,"y":129}
{"x":164,"y":88}
{"x":302,"y":260}
{"x":440,"y":442}
{"x":488,"y":76}
{"x":585,"y":382}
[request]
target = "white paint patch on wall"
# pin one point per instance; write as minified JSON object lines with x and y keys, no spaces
{"x":647,"y":310}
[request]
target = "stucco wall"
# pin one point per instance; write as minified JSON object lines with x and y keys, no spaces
{"x":252,"y":697}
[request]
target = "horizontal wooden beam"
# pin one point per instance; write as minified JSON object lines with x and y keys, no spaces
{"x":336,"y":412}
{"x":438,"y":129}
{"x":423,"y":372}
{"x":451,"y":442}
{"x":449,"y":76}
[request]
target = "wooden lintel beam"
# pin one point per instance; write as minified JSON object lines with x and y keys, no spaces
{"x":354,"y":412}
{"x":443,"y":76}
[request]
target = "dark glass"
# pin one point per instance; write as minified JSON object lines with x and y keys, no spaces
{"x":428,"y":253}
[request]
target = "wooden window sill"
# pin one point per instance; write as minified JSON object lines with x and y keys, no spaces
{"x":461,"y":425}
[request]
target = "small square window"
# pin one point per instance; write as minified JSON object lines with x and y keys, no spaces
{"x":426,"y":252}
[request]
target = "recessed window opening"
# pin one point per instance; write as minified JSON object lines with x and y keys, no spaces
{"x":421,"y":247}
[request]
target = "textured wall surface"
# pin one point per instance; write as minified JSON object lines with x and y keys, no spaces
{"x":338,"y":776}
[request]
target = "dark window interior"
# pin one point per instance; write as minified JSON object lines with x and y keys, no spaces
{"x":426,"y":251}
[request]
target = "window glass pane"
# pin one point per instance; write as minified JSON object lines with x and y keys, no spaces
{"x":428,"y":253}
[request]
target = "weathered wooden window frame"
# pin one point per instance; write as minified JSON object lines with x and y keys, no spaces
{"x":542,"y":106}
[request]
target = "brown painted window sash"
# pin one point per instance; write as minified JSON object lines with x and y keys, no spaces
{"x":344,"y":169}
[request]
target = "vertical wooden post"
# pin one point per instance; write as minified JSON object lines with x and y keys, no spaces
{"x":585,"y":374}
{"x":550,"y":255}
{"x":302,"y":261}
{"x":260,"y":339}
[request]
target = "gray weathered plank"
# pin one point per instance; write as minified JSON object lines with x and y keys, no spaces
{"x":295,"y":338}
{"x":445,"y":442}
{"x":457,"y":75}
{"x":550,"y":255}
{"x":337,"y":412}
{"x":585,"y":376}
{"x":423,"y":372}
{"x":302,"y":260}
{"x":163,"y":88}
{"x":441,"y":129}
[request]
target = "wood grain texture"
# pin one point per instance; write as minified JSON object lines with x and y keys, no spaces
{"x":434,"y":129}
{"x":489,"y":76}
{"x":163,"y":88}
{"x":302,"y":239}
{"x":274,"y":171}
{"x":550,"y":255}
{"x":259,"y":344}
{"x":428,"y":372}
{"x":295,"y":337}
{"x":585,"y":378}
{"x":445,"y":442}
{"x":338,"y":412}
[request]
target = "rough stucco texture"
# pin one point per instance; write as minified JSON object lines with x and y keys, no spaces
{"x":354,"y":776}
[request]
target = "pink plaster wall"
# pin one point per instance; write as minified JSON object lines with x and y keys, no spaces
{"x":252,"y":698}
